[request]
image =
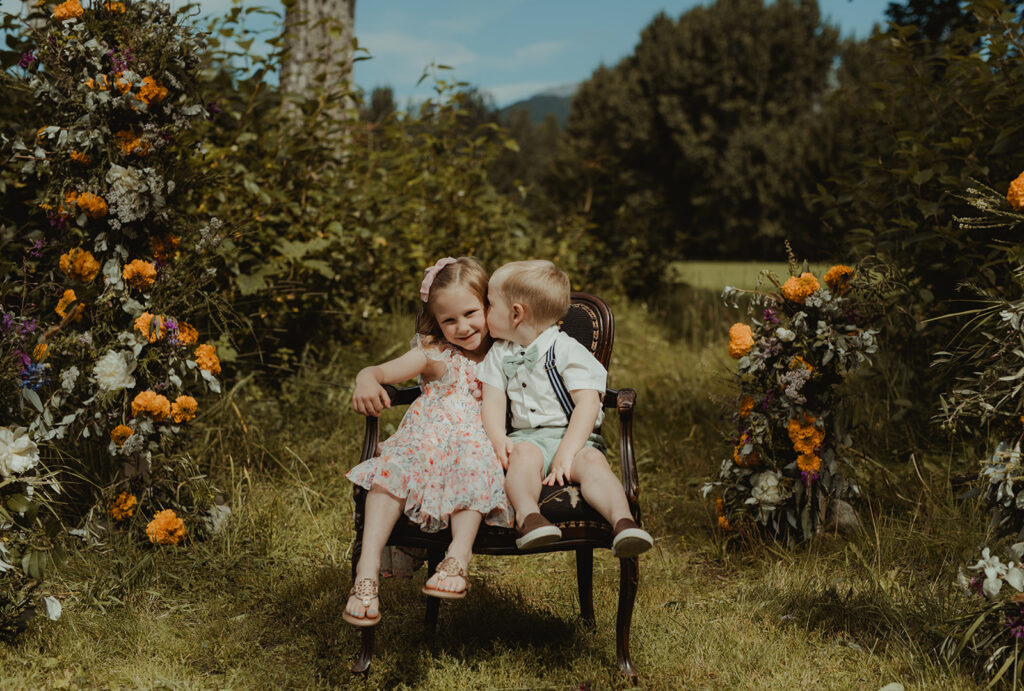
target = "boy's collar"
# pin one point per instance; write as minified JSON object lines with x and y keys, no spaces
{"x":543,"y":339}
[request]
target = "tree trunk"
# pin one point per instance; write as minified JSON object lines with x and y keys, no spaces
{"x":319,"y":40}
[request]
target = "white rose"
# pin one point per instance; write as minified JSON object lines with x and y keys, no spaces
{"x":18,"y":452}
{"x":113,"y":371}
{"x":784,"y":334}
{"x":766,"y":488}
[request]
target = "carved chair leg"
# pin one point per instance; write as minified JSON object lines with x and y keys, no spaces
{"x":585,"y":582}
{"x":362,"y":663}
{"x":433,"y":603}
{"x":629,"y":578}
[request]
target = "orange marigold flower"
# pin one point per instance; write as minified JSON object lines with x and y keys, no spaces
{"x":117,"y":7}
{"x":808,"y":462}
{"x":166,"y":528}
{"x":119,"y":435}
{"x":798,"y":288}
{"x":743,"y":460}
{"x":165,"y":247}
{"x":150,"y":326}
{"x":187,"y":334}
{"x":746,"y":406}
{"x":838,"y":278}
{"x":79,"y":264}
{"x":184,"y":409}
{"x":799,"y":363}
{"x":70,"y":196}
{"x":93,"y":205}
{"x":741,"y":340}
{"x":123,"y":506}
{"x":1015,"y":195}
{"x":123,"y":85}
{"x":805,"y":436}
{"x":79,"y":157}
{"x":62,"y":306}
{"x":723,"y":521}
{"x":151,"y":92}
{"x":140,"y":274}
{"x":130,"y":143}
{"x":101,"y":85}
{"x":206,"y":358}
{"x":71,"y":9}
{"x":40,"y":351}
{"x":153,"y":404}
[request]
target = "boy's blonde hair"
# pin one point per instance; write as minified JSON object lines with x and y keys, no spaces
{"x":538,"y":285}
{"x":466,"y":272}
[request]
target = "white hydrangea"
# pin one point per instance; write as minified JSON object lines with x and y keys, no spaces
{"x":68,"y":378}
{"x":18,"y":453}
{"x":113,"y":371}
{"x":766,"y":488}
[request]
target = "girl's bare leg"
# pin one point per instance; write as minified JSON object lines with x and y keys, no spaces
{"x":382,"y":512}
{"x":465,"y":525}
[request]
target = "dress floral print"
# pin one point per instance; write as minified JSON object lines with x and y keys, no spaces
{"x":439,"y":459}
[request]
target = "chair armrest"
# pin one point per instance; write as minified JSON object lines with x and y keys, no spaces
{"x":624,"y":401}
{"x":398,"y":396}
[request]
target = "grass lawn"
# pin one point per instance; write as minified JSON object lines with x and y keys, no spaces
{"x":259,"y":606}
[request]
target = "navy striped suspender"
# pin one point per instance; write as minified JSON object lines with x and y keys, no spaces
{"x":564,"y":399}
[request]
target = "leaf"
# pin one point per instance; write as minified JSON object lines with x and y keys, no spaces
{"x":18,"y":503}
{"x":33,"y":398}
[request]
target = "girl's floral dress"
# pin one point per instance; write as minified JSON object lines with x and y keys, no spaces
{"x":439,"y":459}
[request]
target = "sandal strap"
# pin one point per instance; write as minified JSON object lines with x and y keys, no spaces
{"x":450,"y":566}
{"x":365,"y":589}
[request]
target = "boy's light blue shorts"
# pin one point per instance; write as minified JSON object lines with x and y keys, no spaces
{"x":547,"y":440}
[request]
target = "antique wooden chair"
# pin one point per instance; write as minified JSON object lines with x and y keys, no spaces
{"x":583,"y":529}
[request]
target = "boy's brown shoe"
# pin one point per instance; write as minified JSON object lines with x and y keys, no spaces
{"x":629,"y":539}
{"x":536,"y":531}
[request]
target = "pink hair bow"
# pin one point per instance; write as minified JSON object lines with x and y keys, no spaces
{"x":430,"y":274}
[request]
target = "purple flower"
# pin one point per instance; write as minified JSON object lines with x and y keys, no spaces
{"x":6,"y":322}
{"x":120,"y":62}
{"x":809,"y":477}
{"x":1015,"y":624}
{"x":770,"y":317}
{"x":57,"y":221}
{"x":22,"y":358}
{"x":37,"y":247}
{"x":27,"y":60}
{"x":212,"y":110}
{"x":28,"y":326}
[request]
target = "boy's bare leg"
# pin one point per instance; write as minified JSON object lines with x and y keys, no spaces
{"x":522,"y":481}
{"x":599,"y":486}
{"x":465,"y":525}
{"x":382,"y":512}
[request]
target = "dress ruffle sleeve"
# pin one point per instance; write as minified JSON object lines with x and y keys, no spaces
{"x":433,"y":351}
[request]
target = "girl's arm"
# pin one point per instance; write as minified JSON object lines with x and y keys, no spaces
{"x":369,"y":397}
{"x":492,"y":413}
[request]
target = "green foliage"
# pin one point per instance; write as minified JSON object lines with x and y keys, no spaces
{"x":703,"y":142}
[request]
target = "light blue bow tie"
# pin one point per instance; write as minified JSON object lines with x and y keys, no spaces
{"x":511,"y":363}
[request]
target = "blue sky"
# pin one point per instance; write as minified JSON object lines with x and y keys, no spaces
{"x":509,"y":48}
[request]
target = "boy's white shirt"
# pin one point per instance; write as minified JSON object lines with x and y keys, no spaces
{"x":535,"y":404}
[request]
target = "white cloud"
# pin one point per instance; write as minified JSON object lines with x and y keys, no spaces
{"x":415,"y":52}
{"x":510,"y":93}
{"x":537,"y":53}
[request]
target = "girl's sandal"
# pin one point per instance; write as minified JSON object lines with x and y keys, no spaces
{"x":365,"y":589}
{"x":449,"y":566}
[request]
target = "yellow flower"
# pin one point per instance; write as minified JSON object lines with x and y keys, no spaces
{"x":799,"y":363}
{"x":92,"y":84}
{"x":183,"y":409}
{"x":130,"y":143}
{"x":79,"y":264}
{"x":838,"y":278}
{"x":150,"y":326}
{"x":62,"y":306}
{"x":805,"y":436}
{"x":746,"y":406}
{"x":119,"y":435}
{"x":123,"y":85}
{"x":71,"y":9}
{"x":117,"y":7}
{"x":1015,"y":195}
{"x":749,"y":459}
{"x":166,"y":528}
{"x":808,"y":462}
{"x":123,"y":506}
{"x":165,"y":247}
{"x":723,"y":520}
{"x":741,"y":340}
{"x":92,"y":205}
{"x":187,"y":334}
{"x":798,"y":288}
{"x":140,"y":274}
{"x":153,"y":404}
{"x":206,"y":358}
{"x":40,"y":351}
{"x":151,"y":92}
{"x":79,"y":157}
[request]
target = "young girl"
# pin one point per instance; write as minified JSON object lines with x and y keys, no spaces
{"x":439,"y":466}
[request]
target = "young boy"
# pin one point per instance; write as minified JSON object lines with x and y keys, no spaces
{"x":555,"y":418}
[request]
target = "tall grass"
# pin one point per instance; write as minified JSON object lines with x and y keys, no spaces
{"x":259,"y":606}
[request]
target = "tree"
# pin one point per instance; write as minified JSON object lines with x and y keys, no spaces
{"x":703,"y":140}
{"x":319,"y":44}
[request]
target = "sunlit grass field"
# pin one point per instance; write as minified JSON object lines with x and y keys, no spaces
{"x":259,"y":606}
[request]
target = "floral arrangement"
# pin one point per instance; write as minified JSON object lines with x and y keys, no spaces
{"x":798,"y":343}
{"x":100,"y":367}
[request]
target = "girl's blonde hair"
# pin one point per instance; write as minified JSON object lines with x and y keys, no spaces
{"x":466,"y":272}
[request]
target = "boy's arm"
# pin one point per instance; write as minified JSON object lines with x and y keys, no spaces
{"x":581,"y":424}
{"x":493,"y":415}
{"x":369,"y":396}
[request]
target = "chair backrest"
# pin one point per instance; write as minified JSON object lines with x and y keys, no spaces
{"x":590,"y":322}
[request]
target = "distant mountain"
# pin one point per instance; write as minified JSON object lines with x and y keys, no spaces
{"x":551,"y":102}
